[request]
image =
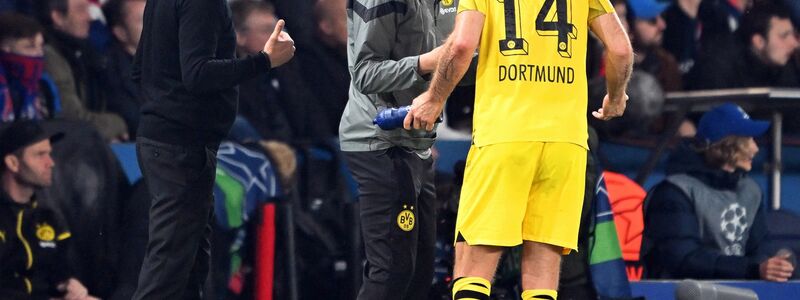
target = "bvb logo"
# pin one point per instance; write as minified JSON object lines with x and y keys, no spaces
{"x":45,"y":232}
{"x":447,"y":2}
{"x":406,"y":219}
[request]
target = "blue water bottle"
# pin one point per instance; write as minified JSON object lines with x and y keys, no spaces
{"x":391,"y":118}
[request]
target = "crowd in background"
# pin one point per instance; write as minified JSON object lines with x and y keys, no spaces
{"x":87,"y":48}
{"x":71,"y":60}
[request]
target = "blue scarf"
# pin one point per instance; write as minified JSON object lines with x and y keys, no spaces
{"x":19,"y":79}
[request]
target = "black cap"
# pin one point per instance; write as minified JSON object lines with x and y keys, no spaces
{"x":20,"y":134}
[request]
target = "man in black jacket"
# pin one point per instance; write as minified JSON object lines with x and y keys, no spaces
{"x":759,"y":57}
{"x":188,"y":73}
{"x":76,"y":67}
{"x":260,"y":99}
{"x":33,"y":238}
{"x":124,"y":18}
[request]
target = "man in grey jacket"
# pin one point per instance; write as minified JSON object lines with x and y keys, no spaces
{"x":391,"y":53}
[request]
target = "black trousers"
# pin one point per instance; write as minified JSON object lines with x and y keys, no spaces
{"x":398,"y":221}
{"x":181,"y":181}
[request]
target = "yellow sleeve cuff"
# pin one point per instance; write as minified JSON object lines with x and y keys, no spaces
{"x":63,"y":236}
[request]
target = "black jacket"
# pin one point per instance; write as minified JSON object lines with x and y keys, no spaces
{"x":728,"y":63}
{"x":32,"y":250}
{"x":125,"y":98}
{"x":188,"y":72}
{"x":672,"y":246}
{"x":88,"y":68}
{"x":260,"y":102}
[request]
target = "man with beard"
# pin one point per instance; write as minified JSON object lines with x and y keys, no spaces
{"x":32,"y":238}
{"x":759,"y":56}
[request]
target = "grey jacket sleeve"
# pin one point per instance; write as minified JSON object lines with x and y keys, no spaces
{"x":374,"y":70}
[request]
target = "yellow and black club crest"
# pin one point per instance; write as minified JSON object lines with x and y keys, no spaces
{"x":406,"y":219}
{"x":447,"y":2}
{"x":45,"y":232}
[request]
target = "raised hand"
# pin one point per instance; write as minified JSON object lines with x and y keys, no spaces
{"x":280,"y":46}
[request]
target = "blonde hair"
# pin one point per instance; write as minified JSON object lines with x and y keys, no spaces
{"x":726,"y":151}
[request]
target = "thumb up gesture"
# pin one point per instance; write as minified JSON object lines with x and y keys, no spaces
{"x":280,"y":46}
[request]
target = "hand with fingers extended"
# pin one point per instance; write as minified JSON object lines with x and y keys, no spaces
{"x":776,"y":268}
{"x":423,"y":113}
{"x":280,"y":46}
{"x":611,"y":108}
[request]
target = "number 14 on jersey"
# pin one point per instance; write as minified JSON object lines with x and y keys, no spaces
{"x":558,"y":23}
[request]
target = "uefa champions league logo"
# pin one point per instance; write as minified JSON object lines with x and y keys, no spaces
{"x":733,"y":225}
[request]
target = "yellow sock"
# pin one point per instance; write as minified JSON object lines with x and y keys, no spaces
{"x":539,"y":294}
{"x":471,"y":288}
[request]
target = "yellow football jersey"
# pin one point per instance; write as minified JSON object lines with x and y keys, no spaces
{"x":531,"y":78}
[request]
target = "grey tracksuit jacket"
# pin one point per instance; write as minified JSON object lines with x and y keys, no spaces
{"x":385,"y":39}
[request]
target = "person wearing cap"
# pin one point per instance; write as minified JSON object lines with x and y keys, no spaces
{"x":647,"y":29}
{"x":706,"y":219}
{"x":33,"y":238}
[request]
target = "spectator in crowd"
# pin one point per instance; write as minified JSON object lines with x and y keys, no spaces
{"x":758,"y":56}
{"x":261,"y":115}
{"x":125,"y":19}
{"x":25,"y":92}
{"x":77,"y":68}
{"x":259,"y":98}
{"x":653,"y":69}
{"x":682,"y":34}
{"x":331,"y":24}
{"x":332,"y":80}
{"x":692,"y":24}
{"x":706,"y":219}
{"x":648,"y":32}
{"x":317,"y":80}
{"x":33,"y":239}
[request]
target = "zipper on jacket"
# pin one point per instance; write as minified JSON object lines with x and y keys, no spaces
{"x":436,"y":12}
